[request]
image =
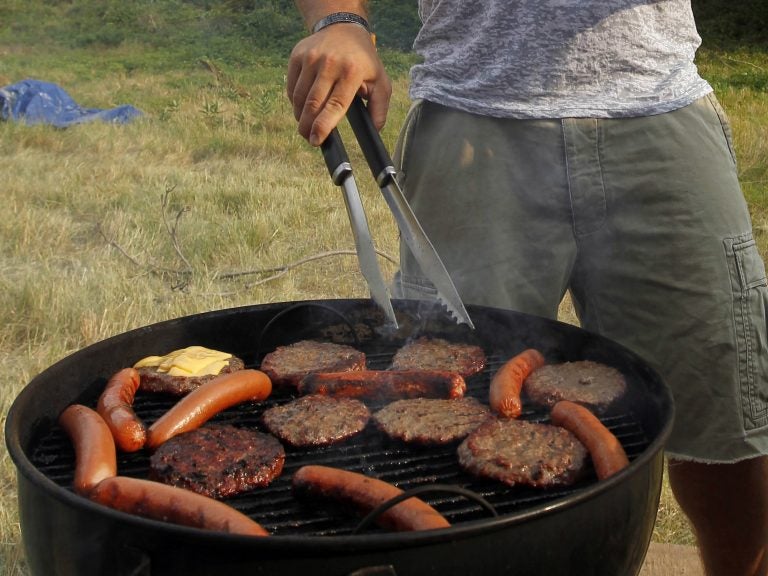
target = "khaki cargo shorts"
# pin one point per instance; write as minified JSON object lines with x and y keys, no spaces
{"x":642,"y":219}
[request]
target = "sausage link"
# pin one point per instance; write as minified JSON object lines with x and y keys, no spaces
{"x":507,"y":382}
{"x":95,"y":453}
{"x":385,"y":384}
{"x":159,"y":501}
{"x":364,"y":494}
{"x":604,"y":448}
{"x":116,"y":407}
{"x":207,"y":400}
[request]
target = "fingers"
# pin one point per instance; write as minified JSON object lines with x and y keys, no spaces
{"x":321,"y":94}
{"x":320,"y":117}
{"x":326,"y":71}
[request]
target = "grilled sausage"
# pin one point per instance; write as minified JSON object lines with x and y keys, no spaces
{"x":95,"y":454}
{"x":115,"y":405}
{"x":606,"y":451}
{"x":364,"y":494}
{"x":385,"y":384}
{"x":204,"y":402}
{"x":507,"y":382}
{"x":171,"y":504}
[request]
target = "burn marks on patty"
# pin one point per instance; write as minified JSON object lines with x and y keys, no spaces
{"x":218,"y":460}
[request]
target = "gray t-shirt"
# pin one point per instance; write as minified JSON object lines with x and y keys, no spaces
{"x":558,"y":58}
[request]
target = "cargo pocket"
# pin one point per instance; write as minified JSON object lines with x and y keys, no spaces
{"x":405,"y":139}
{"x":750,"y":308}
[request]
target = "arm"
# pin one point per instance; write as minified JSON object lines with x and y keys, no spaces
{"x":328,"y":68}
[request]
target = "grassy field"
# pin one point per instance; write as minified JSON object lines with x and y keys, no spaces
{"x":210,"y":201}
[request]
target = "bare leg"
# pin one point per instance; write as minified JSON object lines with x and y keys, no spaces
{"x":727,"y":505}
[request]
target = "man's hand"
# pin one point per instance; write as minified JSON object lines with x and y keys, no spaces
{"x":325,"y":72}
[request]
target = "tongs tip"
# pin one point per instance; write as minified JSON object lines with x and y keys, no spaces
{"x":458,"y":316}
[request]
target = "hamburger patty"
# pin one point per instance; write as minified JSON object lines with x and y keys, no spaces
{"x":431,"y":421}
{"x":585,"y":382}
{"x":287,"y":365}
{"x":218,"y":460}
{"x":152,"y":380}
{"x":520,"y":452}
{"x":437,"y":354}
{"x":316,"y":420}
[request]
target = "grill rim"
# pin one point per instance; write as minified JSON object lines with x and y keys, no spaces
{"x":19,"y":437}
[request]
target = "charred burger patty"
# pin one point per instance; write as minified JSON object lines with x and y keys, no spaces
{"x":218,"y":460}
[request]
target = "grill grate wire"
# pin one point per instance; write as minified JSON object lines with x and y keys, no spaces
{"x":274,"y":506}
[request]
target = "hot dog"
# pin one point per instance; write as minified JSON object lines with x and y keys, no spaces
{"x":95,"y":454}
{"x":115,"y":405}
{"x":385,"y":384}
{"x":365,"y":493}
{"x":606,"y":451}
{"x":507,"y":382}
{"x":170,"y":504}
{"x":204,"y":402}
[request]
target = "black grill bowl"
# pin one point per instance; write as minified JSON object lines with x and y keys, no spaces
{"x":592,"y":528}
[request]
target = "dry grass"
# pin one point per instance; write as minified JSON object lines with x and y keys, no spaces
{"x":85,"y":246}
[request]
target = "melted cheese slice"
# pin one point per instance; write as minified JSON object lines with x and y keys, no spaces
{"x":191,"y":361}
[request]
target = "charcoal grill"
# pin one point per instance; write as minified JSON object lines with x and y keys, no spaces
{"x":593,"y":527}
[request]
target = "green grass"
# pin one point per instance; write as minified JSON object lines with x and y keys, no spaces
{"x":107,"y":228}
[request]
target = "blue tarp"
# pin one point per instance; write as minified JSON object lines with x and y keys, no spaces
{"x":37,"y":102}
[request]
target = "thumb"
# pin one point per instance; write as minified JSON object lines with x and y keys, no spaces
{"x":378,"y":106}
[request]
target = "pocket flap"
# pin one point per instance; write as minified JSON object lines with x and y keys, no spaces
{"x":750,"y":264}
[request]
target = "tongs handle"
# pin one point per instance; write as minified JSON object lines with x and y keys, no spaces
{"x":336,"y":158}
{"x":371,"y":144}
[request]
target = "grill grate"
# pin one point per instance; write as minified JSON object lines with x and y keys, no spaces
{"x":369,"y":453}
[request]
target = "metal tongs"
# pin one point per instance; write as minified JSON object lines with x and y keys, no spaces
{"x":384,"y":173}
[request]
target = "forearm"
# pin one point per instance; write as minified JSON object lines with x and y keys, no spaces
{"x":314,"y":10}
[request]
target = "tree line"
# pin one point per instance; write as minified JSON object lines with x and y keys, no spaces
{"x":232,"y":28}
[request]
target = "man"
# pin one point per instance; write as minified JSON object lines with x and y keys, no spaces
{"x":572,"y":145}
